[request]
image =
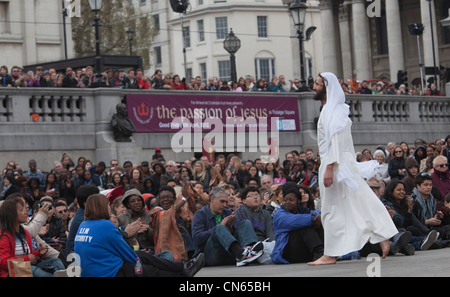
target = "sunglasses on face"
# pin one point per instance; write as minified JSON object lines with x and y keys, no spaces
{"x":442,"y":165}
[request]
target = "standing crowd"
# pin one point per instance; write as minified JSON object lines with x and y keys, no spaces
{"x":136,"y":79}
{"x":172,"y":218}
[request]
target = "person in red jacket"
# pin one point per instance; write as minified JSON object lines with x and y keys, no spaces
{"x":16,"y":242}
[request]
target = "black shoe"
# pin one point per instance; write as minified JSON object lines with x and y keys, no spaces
{"x":429,"y":240}
{"x":408,"y":250}
{"x":399,"y":242}
{"x":191,"y":267}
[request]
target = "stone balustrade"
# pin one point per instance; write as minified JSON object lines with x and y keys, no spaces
{"x":42,"y":123}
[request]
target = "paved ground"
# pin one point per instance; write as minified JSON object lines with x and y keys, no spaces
{"x":423,"y":264}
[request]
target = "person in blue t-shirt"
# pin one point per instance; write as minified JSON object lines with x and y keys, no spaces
{"x":102,"y":251}
{"x":99,"y":243}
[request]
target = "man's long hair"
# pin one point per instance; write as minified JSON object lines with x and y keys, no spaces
{"x":322,"y":95}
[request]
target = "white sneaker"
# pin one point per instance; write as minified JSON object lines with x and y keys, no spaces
{"x":251,"y":254}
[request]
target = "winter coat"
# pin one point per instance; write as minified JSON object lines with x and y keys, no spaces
{"x":394,"y":165}
{"x":7,"y":251}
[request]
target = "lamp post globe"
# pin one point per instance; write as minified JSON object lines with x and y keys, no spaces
{"x":232,"y":44}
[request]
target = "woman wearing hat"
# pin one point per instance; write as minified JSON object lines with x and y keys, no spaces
{"x":135,"y":204}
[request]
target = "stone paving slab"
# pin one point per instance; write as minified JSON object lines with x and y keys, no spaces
{"x":429,"y":263}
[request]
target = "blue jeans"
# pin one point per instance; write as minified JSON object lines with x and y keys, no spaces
{"x":37,"y":269}
{"x":416,"y":241}
{"x":164,"y":254}
{"x":220,"y":240}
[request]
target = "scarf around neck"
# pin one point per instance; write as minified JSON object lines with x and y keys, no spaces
{"x":428,"y":205}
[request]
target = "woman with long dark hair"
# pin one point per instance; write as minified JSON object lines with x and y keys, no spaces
{"x":403,"y":216}
{"x":15,"y":241}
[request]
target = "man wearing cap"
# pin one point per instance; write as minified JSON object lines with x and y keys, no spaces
{"x":158,"y":156}
{"x":134,"y":202}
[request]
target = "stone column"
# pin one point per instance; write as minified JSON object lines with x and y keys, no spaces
{"x":394,"y":31}
{"x":29,"y":32}
{"x":346,"y":44}
{"x":329,"y":39}
{"x":361,"y":40}
{"x":426,"y":36}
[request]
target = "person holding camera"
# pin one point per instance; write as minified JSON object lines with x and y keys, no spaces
{"x":16,"y":242}
{"x":426,"y":207}
{"x":53,"y":231}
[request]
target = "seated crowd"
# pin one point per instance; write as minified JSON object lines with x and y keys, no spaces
{"x":136,"y":79}
{"x":175,"y":217}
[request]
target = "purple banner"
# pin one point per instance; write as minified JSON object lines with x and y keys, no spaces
{"x":156,"y":113}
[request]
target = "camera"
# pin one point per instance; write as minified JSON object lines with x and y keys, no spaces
{"x":49,"y":205}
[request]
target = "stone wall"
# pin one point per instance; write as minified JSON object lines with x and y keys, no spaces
{"x":78,"y":122}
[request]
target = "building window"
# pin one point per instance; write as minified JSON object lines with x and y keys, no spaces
{"x":224,"y":70}
{"x":158,"y":57}
{"x":187,"y":37}
{"x":445,"y":30}
{"x":265,"y":68}
{"x":156,"y":22}
{"x":203,"y":73}
{"x":262,"y":26}
{"x":200,"y":2}
{"x":143,"y":2}
{"x":188,"y":74}
{"x":221,"y":27}
{"x":4,"y":18}
{"x":382,"y":39}
{"x":201,"y":31}
{"x":308,"y":67}
{"x":218,"y":1}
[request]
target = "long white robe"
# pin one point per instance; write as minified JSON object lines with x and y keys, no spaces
{"x":352,"y":214}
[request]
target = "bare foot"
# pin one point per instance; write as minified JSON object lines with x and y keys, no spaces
{"x":324,"y":260}
{"x":385,"y":246}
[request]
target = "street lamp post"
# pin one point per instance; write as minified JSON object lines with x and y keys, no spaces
{"x":416,"y":29}
{"x":130,"y":40}
{"x":64,"y":12}
{"x":297,"y":9}
{"x":232,"y":44}
{"x":96,"y":6}
{"x":298,"y":13}
{"x":432,"y":43}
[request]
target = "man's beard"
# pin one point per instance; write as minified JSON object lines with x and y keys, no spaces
{"x":320,"y":95}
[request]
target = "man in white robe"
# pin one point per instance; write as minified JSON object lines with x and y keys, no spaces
{"x":352,"y":214}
